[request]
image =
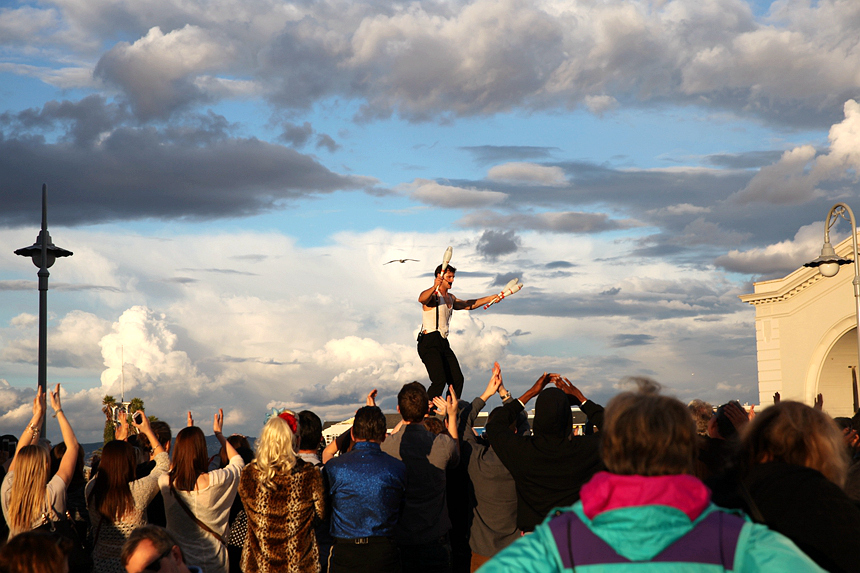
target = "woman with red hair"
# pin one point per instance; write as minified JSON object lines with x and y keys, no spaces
{"x":197,"y":501}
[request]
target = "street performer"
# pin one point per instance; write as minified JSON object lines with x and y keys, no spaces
{"x":433,"y":347}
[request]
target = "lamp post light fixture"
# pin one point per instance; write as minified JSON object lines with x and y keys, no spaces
{"x":43,"y":254}
{"x":828,"y":262}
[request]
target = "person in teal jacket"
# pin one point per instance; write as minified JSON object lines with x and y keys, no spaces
{"x":648,"y":513}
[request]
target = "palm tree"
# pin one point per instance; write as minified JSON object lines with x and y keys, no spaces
{"x":108,"y":405}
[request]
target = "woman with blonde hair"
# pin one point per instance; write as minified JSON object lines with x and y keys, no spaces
{"x":283,"y":496}
{"x":29,"y":499}
{"x":792,"y":467}
{"x":197,"y":501}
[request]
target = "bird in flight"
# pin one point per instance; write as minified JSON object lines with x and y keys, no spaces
{"x":399,"y":261}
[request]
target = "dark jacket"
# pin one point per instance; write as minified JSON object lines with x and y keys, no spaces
{"x":803,"y":505}
{"x":550,"y":466}
{"x":493,"y":493}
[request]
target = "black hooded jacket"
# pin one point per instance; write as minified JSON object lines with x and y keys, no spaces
{"x":550,"y":466}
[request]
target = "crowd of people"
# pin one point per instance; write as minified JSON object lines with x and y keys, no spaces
{"x":652,"y":484}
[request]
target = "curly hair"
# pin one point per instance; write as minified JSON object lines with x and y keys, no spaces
{"x":645,"y":433}
{"x":275,"y":450}
{"x":794,"y":433}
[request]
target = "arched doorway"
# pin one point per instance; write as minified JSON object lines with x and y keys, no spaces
{"x":837,"y":378}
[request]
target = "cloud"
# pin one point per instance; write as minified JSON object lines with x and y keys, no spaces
{"x":246,"y":340}
{"x":450,"y":197}
{"x":72,"y":342}
{"x":600,"y":104}
{"x":484,"y":154}
{"x":494,"y":244}
{"x":141,"y":351}
{"x":443,"y":60}
{"x":502,"y":279}
{"x":519,"y":172}
{"x":559,"y":265}
{"x":561,"y":222}
{"x":776,"y":259}
{"x":157,"y":73}
{"x":624,"y":340}
{"x":296,"y":135}
{"x":682,"y":210}
{"x":794,"y":178}
{"x":135,"y":173}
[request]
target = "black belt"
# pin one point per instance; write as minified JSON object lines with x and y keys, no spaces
{"x":364,"y":540}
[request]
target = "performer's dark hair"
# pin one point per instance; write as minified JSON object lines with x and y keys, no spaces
{"x":310,"y":430}
{"x":369,"y":424}
{"x":448,"y":268}
{"x":413,"y":402}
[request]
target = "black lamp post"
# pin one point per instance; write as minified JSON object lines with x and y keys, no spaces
{"x":43,"y":253}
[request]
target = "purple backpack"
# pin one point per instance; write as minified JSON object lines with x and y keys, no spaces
{"x":712,"y":541}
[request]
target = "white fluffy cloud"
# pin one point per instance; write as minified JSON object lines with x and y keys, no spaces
{"x":783,"y":257}
{"x":794,"y":178}
{"x":229,"y":326}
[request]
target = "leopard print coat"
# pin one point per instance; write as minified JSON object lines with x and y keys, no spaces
{"x":281,"y":520}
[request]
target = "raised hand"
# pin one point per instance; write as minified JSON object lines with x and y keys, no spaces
{"x":143,"y":426}
{"x":190,"y":421}
{"x":494,"y":384}
{"x":121,"y":432}
{"x":371,"y":398}
{"x":218,"y":422}
{"x":55,"y":399}
{"x":736,"y":415}
{"x":536,"y":388}
{"x":819,"y":402}
{"x":565,"y":386}
{"x":451,"y":403}
{"x":39,"y":404}
{"x":440,"y":405}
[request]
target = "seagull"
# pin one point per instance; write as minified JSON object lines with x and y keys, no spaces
{"x":400,"y":261}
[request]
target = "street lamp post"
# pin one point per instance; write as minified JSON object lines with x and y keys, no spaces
{"x":828,"y":262}
{"x":43,"y":254}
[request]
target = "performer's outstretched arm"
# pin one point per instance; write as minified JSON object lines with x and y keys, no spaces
{"x":472,"y":303}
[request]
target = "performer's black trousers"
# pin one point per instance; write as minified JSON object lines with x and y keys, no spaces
{"x":441,"y":364}
{"x":379,"y":556}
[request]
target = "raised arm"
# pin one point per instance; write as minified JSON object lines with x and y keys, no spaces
{"x":144,"y":428}
{"x":70,"y":458}
{"x":591,"y":409}
{"x":218,"y":426}
{"x":536,"y":388}
{"x":30,"y":435}
{"x":473,"y":303}
{"x":452,"y":408}
{"x":427,"y":295}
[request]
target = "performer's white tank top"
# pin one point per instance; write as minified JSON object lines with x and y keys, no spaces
{"x":429,"y":317}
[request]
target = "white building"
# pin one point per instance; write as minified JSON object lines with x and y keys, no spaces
{"x":806,"y":337}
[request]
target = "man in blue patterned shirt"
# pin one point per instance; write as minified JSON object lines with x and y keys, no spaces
{"x":366,"y":489}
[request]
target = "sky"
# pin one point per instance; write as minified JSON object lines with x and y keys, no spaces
{"x":232,"y":176}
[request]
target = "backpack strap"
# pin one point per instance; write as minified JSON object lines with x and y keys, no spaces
{"x":712,"y":541}
{"x":199,"y":523}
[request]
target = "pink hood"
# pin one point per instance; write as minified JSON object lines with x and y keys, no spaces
{"x":607,"y":491}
